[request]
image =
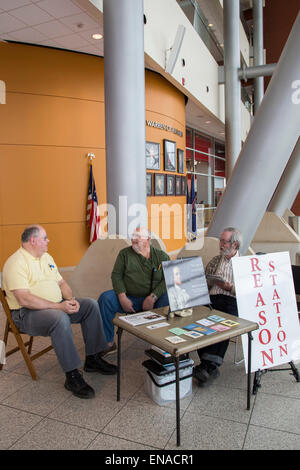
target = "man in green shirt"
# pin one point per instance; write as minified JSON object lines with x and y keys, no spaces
{"x":138,"y":283}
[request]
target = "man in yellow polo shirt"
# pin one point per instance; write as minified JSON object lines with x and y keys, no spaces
{"x":42,"y":304}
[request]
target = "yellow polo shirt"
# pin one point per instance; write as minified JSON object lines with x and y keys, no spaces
{"x":39,"y":275}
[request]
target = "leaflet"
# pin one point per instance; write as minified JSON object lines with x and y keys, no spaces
{"x":141,"y":318}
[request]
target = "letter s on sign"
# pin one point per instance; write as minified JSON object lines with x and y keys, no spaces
{"x":296,"y":94}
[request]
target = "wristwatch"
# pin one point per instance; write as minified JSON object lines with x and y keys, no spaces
{"x":154,"y":297}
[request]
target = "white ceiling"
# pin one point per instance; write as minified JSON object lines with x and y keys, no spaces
{"x":69,"y":24}
{"x":56,"y":23}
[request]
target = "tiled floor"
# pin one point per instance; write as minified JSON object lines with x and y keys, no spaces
{"x":43,"y":415}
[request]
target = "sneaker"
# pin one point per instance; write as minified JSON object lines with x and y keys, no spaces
{"x":97,"y":364}
{"x":112,"y":349}
{"x":206,"y":373}
{"x":78,"y":386}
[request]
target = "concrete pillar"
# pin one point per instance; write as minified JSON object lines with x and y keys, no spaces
{"x":289,"y":185}
{"x":231,"y":20}
{"x":258,"y":50}
{"x":124,"y":76}
{"x":269,"y":144}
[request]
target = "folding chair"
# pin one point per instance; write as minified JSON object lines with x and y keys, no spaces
{"x":11,"y":328}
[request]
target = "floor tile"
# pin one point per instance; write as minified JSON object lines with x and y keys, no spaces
{"x":54,"y":435}
{"x":106,"y":442}
{"x":14,"y":424}
{"x":201,"y":432}
{"x":92,"y":414}
{"x":259,"y":438}
{"x":146,"y":424}
{"x":39,"y":397}
{"x":10,"y":383}
{"x":281,"y":382}
{"x":221,"y":402}
{"x":280,"y":413}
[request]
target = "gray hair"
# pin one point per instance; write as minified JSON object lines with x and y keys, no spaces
{"x":31,"y":231}
{"x":236,"y":235}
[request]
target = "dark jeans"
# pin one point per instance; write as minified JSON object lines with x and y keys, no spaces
{"x":216,"y":352}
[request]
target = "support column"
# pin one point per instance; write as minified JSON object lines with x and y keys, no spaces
{"x":124,"y":77}
{"x":258,"y":50}
{"x":289,"y":185}
{"x":269,"y":144}
{"x":231,"y":12}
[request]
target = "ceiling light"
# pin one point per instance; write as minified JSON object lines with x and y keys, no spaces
{"x":97,"y":36}
{"x":210,"y":25}
{"x":207,"y":122}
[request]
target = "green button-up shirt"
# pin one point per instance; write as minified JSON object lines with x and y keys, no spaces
{"x":138,"y":276}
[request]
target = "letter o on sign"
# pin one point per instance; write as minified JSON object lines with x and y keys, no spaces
{"x":264,"y":338}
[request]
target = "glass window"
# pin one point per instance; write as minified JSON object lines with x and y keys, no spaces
{"x":205,"y":159}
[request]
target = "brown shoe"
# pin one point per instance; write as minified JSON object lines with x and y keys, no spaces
{"x":112,"y":349}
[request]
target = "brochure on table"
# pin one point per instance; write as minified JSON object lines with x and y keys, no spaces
{"x":143,"y":318}
{"x":265,"y":294}
{"x":186,"y":283}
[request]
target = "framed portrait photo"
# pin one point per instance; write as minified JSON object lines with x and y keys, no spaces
{"x":183,"y":185}
{"x":169,"y":155}
{"x":149,"y":184}
{"x":159,"y":184}
{"x":152,"y":156}
{"x":178,"y":185}
{"x":170,"y":185}
{"x":180,"y":161}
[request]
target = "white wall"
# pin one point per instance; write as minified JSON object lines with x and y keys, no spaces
{"x":201,"y":69}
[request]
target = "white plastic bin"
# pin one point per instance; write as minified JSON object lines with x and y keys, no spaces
{"x":159,"y":388}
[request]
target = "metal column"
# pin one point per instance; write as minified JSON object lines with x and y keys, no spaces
{"x":270,"y":142}
{"x":124,"y":77}
{"x":231,"y":18}
{"x":289,"y":185}
{"x":258,"y":50}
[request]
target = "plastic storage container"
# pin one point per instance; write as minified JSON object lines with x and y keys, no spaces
{"x":162,"y":388}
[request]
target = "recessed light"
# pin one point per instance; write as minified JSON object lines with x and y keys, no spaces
{"x":207,"y":122}
{"x":210,"y":25}
{"x":97,"y":36}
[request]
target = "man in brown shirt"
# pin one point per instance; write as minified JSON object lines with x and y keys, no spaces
{"x":219,"y":276}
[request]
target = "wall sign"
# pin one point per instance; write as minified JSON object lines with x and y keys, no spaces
{"x":265,"y":294}
{"x":164,"y":127}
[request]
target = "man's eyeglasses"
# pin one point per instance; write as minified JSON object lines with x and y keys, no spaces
{"x":225,"y":241}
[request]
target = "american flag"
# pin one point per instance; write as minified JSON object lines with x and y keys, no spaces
{"x":92,"y":217}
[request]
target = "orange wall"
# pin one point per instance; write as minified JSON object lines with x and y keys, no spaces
{"x":166,"y":105}
{"x":53,"y":117}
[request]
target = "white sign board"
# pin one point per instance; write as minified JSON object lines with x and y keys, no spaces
{"x":265,"y":294}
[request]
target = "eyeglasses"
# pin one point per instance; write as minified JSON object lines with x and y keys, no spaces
{"x":225,"y":241}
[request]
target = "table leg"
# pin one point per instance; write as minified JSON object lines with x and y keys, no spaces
{"x":177,"y":401}
{"x":119,"y":333}
{"x":250,"y":338}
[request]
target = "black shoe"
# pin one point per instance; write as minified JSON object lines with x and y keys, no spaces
{"x":78,"y":386}
{"x":205,"y":373}
{"x":97,"y":364}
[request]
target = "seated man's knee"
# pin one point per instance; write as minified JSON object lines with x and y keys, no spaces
{"x":59,"y":318}
{"x":107,"y":297}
